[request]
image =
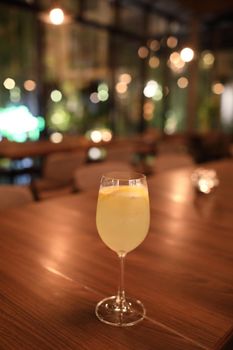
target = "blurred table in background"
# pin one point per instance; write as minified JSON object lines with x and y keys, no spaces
{"x":144,"y":142}
{"x":54,"y":269}
{"x":132,"y":150}
{"x":16,"y":150}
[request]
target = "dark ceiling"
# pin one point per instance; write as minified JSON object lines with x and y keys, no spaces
{"x":214,"y":17}
{"x":200,"y":7}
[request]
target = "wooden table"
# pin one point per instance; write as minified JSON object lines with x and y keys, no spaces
{"x":54,"y":269}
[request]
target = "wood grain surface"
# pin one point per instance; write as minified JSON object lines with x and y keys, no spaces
{"x":54,"y":269}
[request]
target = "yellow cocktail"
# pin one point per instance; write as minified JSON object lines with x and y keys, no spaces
{"x":122,"y":219}
{"x":123,"y":216}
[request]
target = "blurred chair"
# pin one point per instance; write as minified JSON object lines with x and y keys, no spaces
{"x":208,"y":147}
{"x":57,"y":174}
{"x":14,"y":196}
{"x":145,"y":150}
{"x":172,"y":154}
{"x":88,"y":176}
{"x":171,"y":161}
{"x":147,"y":142}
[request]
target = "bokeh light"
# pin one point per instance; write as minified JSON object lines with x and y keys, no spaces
{"x":217,"y":88}
{"x":175,"y":62}
{"x":187,"y":54}
{"x":175,"y":57}
{"x":148,"y":110}
{"x":60,"y":118}
{"x":29,"y":85}
{"x":96,"y":136}
{"x":171,"y":123}
{"x":121,"y":87}
{"x":154,"y":62}
{"x":158,"y":94}
{"x":102,"y":87}
{"x":56,"y":16}
{"x":56,"y":96}
{"x":150,"y":88}
{"x":106,"y":135}
{"x":94,"y":97}
{"x":94,"y":153}
{"x":15,"y":94}
{"x":154,"y":45}
{"x":18,"y":124}
{"x":207,"y":59}
{"x":172,"y":42}
{"x":103,"y":95}
{"x":182,"y":82}
{"x":56,"y":137}
{"x":143,"y":52}
{"x":9,"y":83}
{"x":125,"y":78}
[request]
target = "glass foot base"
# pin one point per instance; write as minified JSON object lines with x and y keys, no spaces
{"x":111,"y":312}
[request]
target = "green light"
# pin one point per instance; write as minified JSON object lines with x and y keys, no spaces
{"x":15,"y":94}
{"x":102,"y":87}
{"x":17,"y":123}
{"x":34,"y":135}
{"x":158,"y":94}
{"x":60,"y":119}
{"x":41,"y":123}
{"x":103,"y":95}
{"x":20,"y":137}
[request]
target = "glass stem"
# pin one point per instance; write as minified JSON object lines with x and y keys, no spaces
{"x":121,"y":289}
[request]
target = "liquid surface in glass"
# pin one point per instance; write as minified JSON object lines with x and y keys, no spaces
{"x":123,"y":216}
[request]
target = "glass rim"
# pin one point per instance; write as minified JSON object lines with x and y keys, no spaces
{"x":123,"y":175}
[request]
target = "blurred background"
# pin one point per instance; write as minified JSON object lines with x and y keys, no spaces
{"x":101,"y":70}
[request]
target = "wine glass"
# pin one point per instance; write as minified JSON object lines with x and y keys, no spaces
{"x":122,"y":219}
